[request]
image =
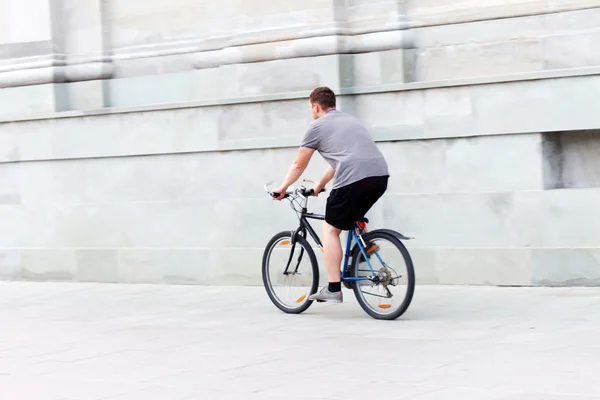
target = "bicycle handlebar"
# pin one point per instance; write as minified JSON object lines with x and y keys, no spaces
{"x":302,"y":191}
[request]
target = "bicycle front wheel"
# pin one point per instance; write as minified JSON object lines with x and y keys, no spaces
{"x":290,"y":272}
{"x":390,"y":290}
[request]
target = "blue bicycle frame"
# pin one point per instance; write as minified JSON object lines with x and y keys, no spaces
{"x":352,"y":235}
{"x":358,"y":238}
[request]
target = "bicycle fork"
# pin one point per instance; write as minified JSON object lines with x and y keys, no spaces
{"x":287,"y":267}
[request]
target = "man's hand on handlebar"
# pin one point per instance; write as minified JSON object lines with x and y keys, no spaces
{"x":318,"y":189}
{"x":311,"y":192}
{"x":279,"y":194}
{"x":282,"y":192}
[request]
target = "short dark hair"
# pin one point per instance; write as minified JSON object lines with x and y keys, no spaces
{"x":324,"y":97}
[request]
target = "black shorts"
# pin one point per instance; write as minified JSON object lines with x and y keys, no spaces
{"x":347,"y":204}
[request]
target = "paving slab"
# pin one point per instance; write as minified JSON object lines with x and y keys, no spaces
{"x":79,"y":341}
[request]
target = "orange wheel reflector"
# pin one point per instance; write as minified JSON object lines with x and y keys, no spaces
{"x":285,"y":242}
{"x":301,"y":299}
{"x":386,"y":306}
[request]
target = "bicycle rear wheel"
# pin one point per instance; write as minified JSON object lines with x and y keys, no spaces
{"x":290,"y":272}
{"x":390,"y":294}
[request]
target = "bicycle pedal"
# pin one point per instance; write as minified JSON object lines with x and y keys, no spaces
{"x":320,"y":301}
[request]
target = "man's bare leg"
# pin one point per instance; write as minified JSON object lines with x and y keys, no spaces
{"x":332,"y":251}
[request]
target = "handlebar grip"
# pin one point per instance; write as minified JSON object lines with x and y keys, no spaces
{"x":311,"y":192}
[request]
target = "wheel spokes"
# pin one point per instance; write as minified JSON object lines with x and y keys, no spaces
{"x":290,"y":273}
{"x":385,"y":294}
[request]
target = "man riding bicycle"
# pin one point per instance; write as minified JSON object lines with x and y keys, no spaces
{"x":360,"y":172}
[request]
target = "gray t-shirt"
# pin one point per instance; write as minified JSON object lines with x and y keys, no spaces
{"x":344,"y":142}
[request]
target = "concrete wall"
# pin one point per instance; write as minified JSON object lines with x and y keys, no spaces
{"x":135,"y":137}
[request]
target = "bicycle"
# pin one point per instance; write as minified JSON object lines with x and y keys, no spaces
{"x":289,"y":271}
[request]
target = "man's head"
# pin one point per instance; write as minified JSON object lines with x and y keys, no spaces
{"x":321,"y":100}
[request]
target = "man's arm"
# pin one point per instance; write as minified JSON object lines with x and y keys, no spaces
{"x":296,"y":169}
{"x":325,"y":179}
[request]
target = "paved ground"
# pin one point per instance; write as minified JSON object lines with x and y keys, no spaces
{"x":87,"y":341}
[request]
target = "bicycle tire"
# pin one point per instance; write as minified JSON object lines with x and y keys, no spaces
{"x":265,"y":276}
{"x":393,"y":239}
